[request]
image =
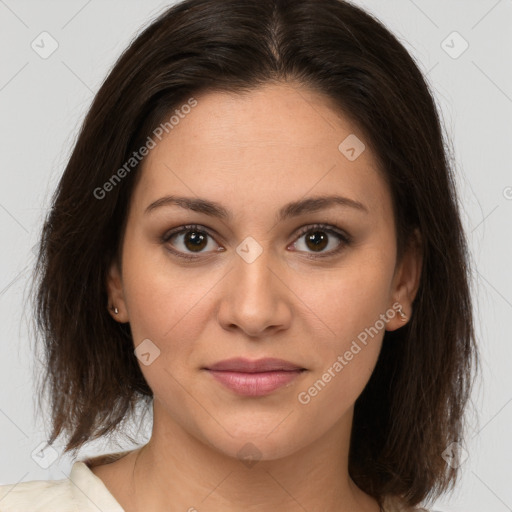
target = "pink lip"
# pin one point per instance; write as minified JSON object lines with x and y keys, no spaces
{"x":255,"y":384}
{"x":254,"y":378}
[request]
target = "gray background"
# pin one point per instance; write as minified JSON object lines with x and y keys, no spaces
{"x":43,"y":100}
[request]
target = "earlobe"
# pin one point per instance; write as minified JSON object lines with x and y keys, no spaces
{"x":403,"y":316}
{"x":116,"y":303}
{"x":406,"y":282}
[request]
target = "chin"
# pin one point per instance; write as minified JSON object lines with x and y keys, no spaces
{"x":248,"y":444}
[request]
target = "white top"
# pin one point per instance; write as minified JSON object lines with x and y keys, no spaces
{"x":83,"y":491}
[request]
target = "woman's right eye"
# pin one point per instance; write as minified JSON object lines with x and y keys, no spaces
{"x":189,"y":240}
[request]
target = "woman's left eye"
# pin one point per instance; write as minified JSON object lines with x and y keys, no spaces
{"x":317,"y":238}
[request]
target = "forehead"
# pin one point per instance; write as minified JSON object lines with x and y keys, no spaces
{"x":273,"y":115}
{"x":277,"y":142}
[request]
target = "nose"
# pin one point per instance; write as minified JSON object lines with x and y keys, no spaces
{"x":255,"y":297}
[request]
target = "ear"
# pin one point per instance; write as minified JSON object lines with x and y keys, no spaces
{"x":406,"y":282}
{"x":115,"y":294}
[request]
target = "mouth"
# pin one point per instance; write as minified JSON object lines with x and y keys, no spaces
{"x":254,"y":378}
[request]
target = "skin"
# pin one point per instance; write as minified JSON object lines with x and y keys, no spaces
{"x":254,"y":153}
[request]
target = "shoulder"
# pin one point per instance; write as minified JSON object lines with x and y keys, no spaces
{"x":37,"y":496}
{"x":81,"y":491}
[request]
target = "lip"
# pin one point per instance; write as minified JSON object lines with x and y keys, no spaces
{"x":254,"y":378}
{"x":267,"y":364}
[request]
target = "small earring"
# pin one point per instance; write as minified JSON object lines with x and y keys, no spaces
{"x":115,"y":310}
{"x":403,"y":316}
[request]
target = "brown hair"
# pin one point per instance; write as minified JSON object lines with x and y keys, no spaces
{"x":413,"y":405}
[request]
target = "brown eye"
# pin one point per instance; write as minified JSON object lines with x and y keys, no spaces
{"x":318,"y":238}
{"x":187,"y":240}
{"x":195,"y":240}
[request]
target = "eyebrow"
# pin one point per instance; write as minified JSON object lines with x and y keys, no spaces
{"x":293,"y":209}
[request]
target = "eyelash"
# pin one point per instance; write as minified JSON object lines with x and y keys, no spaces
{"x":331,"y":230}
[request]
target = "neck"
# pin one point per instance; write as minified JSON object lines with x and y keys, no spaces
{"x":180,"y":470}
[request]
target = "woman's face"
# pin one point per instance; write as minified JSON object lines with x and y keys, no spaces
{"x":264,"y":280}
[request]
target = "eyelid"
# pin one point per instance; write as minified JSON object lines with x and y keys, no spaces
{"x":345,"y":239}
{"x":327,"y":228}
{"x":183,"y":229}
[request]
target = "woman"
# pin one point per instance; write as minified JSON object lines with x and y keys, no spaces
{"x":257,"y":235}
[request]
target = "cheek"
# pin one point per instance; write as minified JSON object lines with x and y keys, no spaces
{"x":348,"y":306}
{"x":350,"y":298}
{"x":164,"y":309}
{"x":345,"y":363}
{"x":167,"y":304}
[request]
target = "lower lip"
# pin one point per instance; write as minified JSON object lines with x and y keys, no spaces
{"x":255,"y":384}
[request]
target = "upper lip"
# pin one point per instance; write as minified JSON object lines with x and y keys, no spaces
{"x":268,"y":364}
